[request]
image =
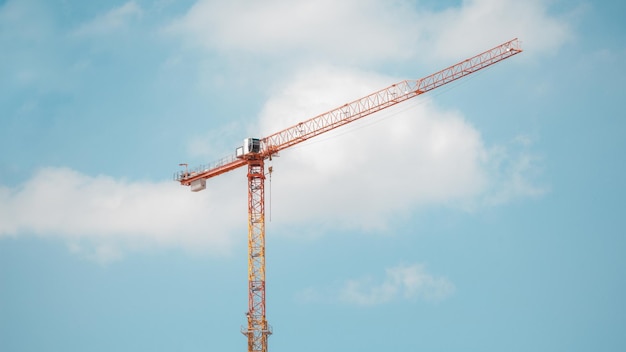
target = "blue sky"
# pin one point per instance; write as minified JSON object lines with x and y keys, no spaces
{"x":485,"y":216}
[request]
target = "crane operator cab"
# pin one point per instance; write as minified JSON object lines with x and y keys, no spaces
{"x":250,"y":146}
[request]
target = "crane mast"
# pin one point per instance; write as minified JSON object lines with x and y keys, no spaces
{"x":258,"y":329}
{"x":255,"y":151}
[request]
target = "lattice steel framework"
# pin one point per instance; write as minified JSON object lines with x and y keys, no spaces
{"x":384,"y":98}
{"x":258,"y":329}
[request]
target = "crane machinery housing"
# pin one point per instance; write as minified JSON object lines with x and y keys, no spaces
{"x":255,"y":151}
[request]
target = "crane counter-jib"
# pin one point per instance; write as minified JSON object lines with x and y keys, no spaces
{"x":188,"y":178}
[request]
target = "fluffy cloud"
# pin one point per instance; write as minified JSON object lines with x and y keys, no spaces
{"x":366,"y":173}
{"x":100,"y":216}
{"x":512,"y":171}
{"x":368,"y":31}
{"x":401,"y":282}
{"x":358,"y":177}
{"x":312,"y":28}
{"x":459,"y":31}
{"x":362,"y":177}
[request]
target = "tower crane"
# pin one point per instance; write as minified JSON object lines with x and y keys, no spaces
{"x":255,"y":151}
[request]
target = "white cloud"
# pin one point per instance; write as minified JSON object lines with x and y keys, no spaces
{"x":358,"y":32}
{"x":476,"y":24}
{"x":512,"y":171}
{"x":363,"y":176}
{"x":100,"y":253}
{"x":367,"y":173}
{"x":311,"y":28}
{"x":401,"y":282}
{"x":101,"y":216}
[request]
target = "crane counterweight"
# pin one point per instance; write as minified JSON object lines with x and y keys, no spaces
{"x":198,"y":185}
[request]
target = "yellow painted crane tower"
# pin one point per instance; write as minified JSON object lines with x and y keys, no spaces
{"x":255,"y":151}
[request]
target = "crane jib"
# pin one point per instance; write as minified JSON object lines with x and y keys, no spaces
{"x":349,"y":112}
